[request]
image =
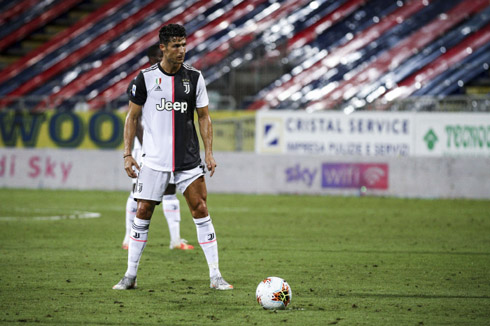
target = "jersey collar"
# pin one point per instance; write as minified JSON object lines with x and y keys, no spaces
{"x":166,"y":73}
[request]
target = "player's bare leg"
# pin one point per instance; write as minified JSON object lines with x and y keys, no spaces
{"x":196,"y":196}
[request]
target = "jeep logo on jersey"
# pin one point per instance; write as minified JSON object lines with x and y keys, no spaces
{"x":169,"y":106}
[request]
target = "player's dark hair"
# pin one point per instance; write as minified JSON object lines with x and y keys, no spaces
{"x":154,"y":53}
{"x":169,"y":31}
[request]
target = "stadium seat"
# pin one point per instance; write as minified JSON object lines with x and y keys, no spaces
{"x":67,"y":55}
{"x":216,"y":47}
{"x":453,"y":79}
{"x":85,"y":25}
{"x":337,"y":53}
{"x":355,"y":85}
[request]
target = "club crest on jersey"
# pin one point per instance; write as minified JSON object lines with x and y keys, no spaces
{"x":158,"y":82}
{"x":187,"y":86}
{"x":169,"y":106}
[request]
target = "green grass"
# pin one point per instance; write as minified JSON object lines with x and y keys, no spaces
{"x":349,"y":261}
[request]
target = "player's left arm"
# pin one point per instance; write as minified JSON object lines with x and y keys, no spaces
{"x":206,"y":131}
{"x":130,"y":126}
{"x":139,"y":131}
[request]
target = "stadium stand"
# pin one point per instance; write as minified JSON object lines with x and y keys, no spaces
{"x":60,"y":39}
{"x":316,"y":70}
{"x":28,"y":24}
{"x":214,"y":49}
{"x":438,"y":66}
{"x":332,"y":85}
{"x":266,"y":54}
{"x":27,"y":21}
{"x":88,"y":48}
{"x":117,"y":66}
{"x":237,"y":38}
{"x":451,"y":80}
{"x":213,"y":27}
{"x":14,"y":9}
{"x":355,"y":82}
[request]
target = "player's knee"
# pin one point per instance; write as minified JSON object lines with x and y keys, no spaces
{"x":145,"y":210}
{"x":199,"y":209}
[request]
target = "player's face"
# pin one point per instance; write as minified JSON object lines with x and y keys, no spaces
{"x":174,"y":51}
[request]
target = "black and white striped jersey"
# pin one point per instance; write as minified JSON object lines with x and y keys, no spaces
{"x":170,"y":140}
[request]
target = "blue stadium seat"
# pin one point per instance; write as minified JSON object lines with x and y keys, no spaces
{"x":430,"y":52}
{"x":59,"y":54}
{"x":368,"y":53}
{"x":456,"y":77}
{"x":26,"y":17}
{"x":298,"y":24}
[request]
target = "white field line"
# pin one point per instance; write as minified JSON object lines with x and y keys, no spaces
{"x":73,"y":216}
{"x":44,"y":215}
{"x":235,"y":209}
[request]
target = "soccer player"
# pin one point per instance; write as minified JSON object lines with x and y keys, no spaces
{"x":166,"y":96}
{"x":170,"y":203}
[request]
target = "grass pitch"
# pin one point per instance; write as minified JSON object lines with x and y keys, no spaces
{"x":349,"y":261}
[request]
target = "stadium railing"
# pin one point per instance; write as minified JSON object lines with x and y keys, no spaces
{"x":456,"y":103}
{"x":453,"y":103}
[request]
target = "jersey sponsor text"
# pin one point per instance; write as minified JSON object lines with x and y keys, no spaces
{"x":169,"y":106}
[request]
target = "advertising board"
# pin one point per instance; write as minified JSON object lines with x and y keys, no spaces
{"x":86,"y":130}
{"x":375,"y":134}
{"x":440,"y":134}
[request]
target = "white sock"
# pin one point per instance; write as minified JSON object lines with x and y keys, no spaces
{"x":137,"y":243}
{"x":131,"y":207}
{"x":207,"y":239}
{"x":171,"y":210}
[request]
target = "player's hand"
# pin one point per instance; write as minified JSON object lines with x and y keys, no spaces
{"x":129,"y":162}
{"x":210,"y":164}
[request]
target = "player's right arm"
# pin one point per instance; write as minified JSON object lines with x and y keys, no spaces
{"x":130,"y":128}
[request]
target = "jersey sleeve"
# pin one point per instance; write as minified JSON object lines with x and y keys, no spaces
{"x":137,"y":93}
{"x":201,"y":93}
{"x":130,"y":86}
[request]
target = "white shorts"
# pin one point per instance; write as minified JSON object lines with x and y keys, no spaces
{"x":151,"y":184}
{"x":134,"y":180}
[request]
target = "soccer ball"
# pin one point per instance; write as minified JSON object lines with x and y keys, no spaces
{"x":273,"y":293}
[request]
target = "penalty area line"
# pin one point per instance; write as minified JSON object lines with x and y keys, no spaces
{"x":73,"y":216}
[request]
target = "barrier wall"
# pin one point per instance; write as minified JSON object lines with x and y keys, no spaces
{"x":424,"y":177}
{"x":373,"y":134}
{"x":87,"y":130}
